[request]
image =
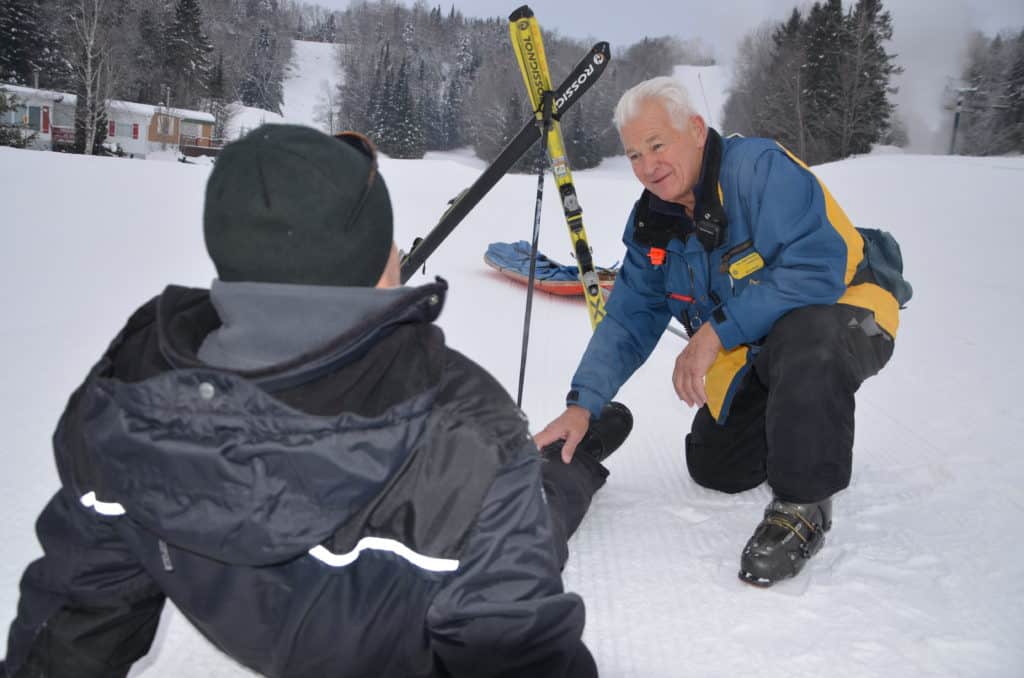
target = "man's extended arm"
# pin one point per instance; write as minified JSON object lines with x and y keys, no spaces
{"x":87,"y":608}
{"x":505,"y":612}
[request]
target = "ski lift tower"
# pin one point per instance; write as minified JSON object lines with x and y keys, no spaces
{"x":954,"y":94}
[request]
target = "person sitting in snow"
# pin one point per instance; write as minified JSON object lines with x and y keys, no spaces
{"x":788,"y":307}
{"x":297,"y":460}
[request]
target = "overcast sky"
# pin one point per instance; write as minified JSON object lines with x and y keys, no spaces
{"x":930,"y":36}
{"x":721,"y":23}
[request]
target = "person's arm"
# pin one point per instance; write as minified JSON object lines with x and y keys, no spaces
{"x":505,"y":612}
{"x":637,"y":315}
{"x":804,"y":252}
{"x":87,"y":608}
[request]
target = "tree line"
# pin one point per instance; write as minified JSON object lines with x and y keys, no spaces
{"x":194,"y":54}
{"x":419,"y":78}
{"x":819,"y":83}
{"x":415,"y":78}
{"x":992,"y":96}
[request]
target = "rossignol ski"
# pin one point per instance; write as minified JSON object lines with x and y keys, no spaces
{"x":529,"y":49}
{"x":579,"y":81}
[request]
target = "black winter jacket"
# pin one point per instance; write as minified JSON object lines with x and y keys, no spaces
{"x":373,"y":508}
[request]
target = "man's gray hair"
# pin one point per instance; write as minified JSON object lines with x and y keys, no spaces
{"x":668,"y":91}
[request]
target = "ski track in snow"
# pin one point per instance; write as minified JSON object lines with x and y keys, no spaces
{"x":922,"y":572}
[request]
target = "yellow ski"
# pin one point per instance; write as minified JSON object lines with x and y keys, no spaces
{"x":529,"y":49}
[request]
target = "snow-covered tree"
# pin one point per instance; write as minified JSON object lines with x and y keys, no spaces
{"x":188,"y":51}
{"x":91,"y":44}
{"x":864,"y":112}
{"x":261,"y":85}
{"x":581,"y":139}
{"x":9,"y":135}
{"x":427,"y":93}
{"x":406,"y":138}
{"x":820,"y":84}
{"x":28,"y":47}
{"x":218,"y":103}
{"x":1012,"y":118}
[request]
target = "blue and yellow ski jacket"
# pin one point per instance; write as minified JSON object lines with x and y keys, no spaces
{"x":787,"y":244}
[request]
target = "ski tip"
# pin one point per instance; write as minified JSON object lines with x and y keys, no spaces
{"x":523,"y":12}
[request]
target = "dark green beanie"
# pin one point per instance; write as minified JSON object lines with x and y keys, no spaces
{"x":279,"y":207}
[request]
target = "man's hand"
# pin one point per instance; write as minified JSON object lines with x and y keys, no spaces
{"x":571,"y":426}
{"x":693,"y":364}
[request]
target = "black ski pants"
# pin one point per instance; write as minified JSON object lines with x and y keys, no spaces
{"x":569,"y":488}
{"x":791,"y":421}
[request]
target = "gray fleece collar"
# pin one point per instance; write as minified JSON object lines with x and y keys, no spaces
{"x":264,"y":324}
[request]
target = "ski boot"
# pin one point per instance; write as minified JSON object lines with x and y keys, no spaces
{"x":785,"y":540}
{"x":604,"y":436}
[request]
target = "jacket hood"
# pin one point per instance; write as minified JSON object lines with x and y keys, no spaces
{"x":215,"y":462}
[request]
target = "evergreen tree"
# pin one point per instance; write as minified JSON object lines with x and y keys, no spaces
{"x":451,"y":130}
{"x":864,"y":113}
{"x":28,"y":47}
{"x":151,"y":72}
{"x":453,"y":126}
{"x":980,"y":124}
{"x":406,"y":135}
{"x":581,"y":139}
{"x":784,"y":111}
{"x":379,"y":107}
{"x":430,"y":109}
{"x":1012,"y":112}
{"x":218,"y":105}
{"x":500,"y":127}
{"x":188,"y":54}
{"x":824,"y":41}
{"x":820,"y":86}
{"x":10,"y":135}
{"x":327,"y":30}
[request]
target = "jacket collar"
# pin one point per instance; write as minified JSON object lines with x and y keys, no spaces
{"x":259,"y":320}
{"x":180,"y":335}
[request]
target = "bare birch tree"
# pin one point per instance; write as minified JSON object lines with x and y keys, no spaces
{"x":92,"y":68}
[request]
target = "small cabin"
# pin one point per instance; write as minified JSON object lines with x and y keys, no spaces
{"x":133,"y":129}
{"x":191,"y":131}
{"x":33,"y":113}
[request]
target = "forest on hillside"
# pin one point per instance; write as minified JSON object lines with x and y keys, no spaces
{"x":418,"y":77}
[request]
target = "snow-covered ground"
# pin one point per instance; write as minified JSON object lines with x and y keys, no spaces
{"x":311,"y":76}
{"x":923,"y":573}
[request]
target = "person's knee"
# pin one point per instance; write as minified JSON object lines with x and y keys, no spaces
{"x":809,"y":342}
{"x":714,"y":468}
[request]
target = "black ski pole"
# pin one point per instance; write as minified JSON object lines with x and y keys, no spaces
{"x":546,"y":109}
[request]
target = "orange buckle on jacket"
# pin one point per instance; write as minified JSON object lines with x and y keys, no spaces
{"x":680,"y":297}
{"x":656,"y":255}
